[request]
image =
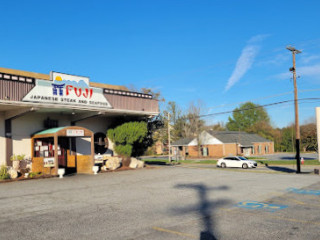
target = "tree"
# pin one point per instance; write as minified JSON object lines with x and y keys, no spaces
{"x":246,"y":116}
{"x":287,"y":139}
{"x":308,"y":134}
{"x":177,"y":120}
{"x":129,"y":137}
{"x":220,"y":126}
{"x":194,"y":124}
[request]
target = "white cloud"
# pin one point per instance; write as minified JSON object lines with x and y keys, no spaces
{"x":245,"y":60}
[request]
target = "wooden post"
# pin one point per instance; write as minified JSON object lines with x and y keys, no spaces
{"x":92,"y":150}
{"x":55,"y":140}
{"x":318,"y":130}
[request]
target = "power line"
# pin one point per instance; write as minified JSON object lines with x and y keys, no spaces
{"x":262,"y":98}
{"x":260,"y":106}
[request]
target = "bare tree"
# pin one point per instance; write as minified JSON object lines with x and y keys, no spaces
{"x":194,"y":124}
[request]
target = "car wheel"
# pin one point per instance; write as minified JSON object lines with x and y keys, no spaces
{"x":244,"y":166}
{"x":223,"y":165}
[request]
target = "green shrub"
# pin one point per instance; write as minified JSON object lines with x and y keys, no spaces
{"x":19,"y":157}
{"x":4,"y":172}
{"x":34,"y":174}
{"x":128,"y":137}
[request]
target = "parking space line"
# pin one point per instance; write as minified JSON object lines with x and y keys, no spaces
{"x":230,"y":210}
{"x":175,"y":232}
{"x":289,"y":198}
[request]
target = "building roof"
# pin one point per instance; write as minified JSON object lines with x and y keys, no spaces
{"x":47,"y":77}
{"x":245,"y":139}
{"x":182,"y":142}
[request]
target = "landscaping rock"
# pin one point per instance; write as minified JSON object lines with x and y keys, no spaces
{"x":135,"y":163}
{"x":113,"y":163}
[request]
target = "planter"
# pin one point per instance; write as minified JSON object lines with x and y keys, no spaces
{"x":95,"y":169}
{"x":16,"y":165}
{"x":26,"y":175}
{"x":61,"y":172}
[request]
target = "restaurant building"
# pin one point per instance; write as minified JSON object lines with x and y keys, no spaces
{"x":60,"y":120}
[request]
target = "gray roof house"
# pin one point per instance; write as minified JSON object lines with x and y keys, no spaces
{"x":223,"y":143}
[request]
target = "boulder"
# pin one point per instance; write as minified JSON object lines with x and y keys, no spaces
{"x":13,"y":173}
{"x":113,"y":163}
{"x":135,"y":163}
{"x":140,"y":164}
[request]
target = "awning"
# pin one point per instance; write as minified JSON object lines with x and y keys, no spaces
{"x":67,"y":131}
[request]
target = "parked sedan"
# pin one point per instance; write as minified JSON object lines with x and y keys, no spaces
{"x":236,"y":161}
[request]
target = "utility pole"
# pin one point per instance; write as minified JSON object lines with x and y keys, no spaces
{"x":169,"y":138}
{"x":293,"y":70}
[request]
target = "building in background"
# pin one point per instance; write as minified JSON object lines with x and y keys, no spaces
{"x":61,"y":120}
{"x":222,"y":143}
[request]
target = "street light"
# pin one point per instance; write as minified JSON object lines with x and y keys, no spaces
{"x":293,"y":70}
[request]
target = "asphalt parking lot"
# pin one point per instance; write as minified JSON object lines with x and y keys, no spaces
{"x":163,"y":203}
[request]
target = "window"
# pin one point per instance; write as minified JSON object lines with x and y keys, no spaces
{"x":259,"y":149}
{"x":266,"y":148}
{"x":205,"y":152}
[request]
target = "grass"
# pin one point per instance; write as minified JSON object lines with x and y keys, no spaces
{"x":165,"y":161}
{"x":288,"y":162}
{"x":260,"y":161}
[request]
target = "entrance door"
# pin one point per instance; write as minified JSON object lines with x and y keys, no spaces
{"x":62,"y":151}
{"x":67,"y":158}
{"x":246,"y":151}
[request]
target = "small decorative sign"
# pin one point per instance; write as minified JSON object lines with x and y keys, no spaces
{"x":75,"y":132}
{"x":48,"y":162}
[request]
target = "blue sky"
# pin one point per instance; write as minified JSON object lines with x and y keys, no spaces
{"x":220,"y":52}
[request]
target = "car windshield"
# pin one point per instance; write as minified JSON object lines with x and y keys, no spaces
{"x":243,"y":158}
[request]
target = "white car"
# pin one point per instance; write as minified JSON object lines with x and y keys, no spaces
{"x":236,"y":161}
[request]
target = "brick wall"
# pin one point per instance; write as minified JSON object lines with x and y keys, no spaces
{"x":265,"y":148}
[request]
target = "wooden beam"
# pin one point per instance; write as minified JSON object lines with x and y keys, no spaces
{"x":56,"y":154}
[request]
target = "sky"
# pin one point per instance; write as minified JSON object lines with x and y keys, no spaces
{"x":222,"y":53}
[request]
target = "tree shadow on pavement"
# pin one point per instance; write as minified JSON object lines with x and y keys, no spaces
{"x":205,"y":207}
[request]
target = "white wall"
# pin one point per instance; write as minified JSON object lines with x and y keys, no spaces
{"x":318,"y":130}
{"x":2,"y":141}
{"x":207,"y":139}
{"x":23,"y":127}
{"x":96,"y":124}
{"x":83,"y":146}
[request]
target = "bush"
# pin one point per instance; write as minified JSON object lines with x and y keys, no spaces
{"x":34,"y":174}
{"x":4,"y":172}
{"x":128,"y":137}
{"x":19,"y":157}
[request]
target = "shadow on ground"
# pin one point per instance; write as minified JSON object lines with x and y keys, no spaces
{"x":281,"y":169}
{"x":157,"y":163}
{"x":205,"y":207}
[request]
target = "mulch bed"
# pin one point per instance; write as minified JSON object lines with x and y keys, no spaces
{"x":22,"y":178}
